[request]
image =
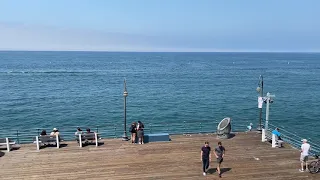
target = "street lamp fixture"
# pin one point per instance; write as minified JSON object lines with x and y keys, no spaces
{"x":260,"y":101}
{"x":125,"y":94}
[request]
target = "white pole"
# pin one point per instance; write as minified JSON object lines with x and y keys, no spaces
{"x":80,"y":140}
{"x":267,"y":111}
{"x":96,"y":138}
{"x":8,"y":145}
{"x":37,"y":141}
{"x":57,"y":138}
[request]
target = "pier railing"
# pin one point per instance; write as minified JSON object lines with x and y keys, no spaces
{"x":110,"y":130}
{"x":294,"y":140}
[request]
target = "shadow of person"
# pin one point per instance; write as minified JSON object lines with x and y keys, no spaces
{"x":1,"y":153}
{"x":211,"y":170}
{"x":222,"y":170}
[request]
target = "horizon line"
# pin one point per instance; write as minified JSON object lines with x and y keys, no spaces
{"x":105,"y":51}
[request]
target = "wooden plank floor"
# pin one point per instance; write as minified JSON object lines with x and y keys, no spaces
{"x":177,"y":159}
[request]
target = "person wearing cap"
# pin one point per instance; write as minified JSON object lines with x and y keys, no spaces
{"x":55,"y":131}
{"x":305,"y":148}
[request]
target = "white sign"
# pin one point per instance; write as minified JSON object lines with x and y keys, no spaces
{"x":260,"y":102}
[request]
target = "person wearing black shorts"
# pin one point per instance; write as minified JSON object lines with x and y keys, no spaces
{"x":140,"y":132}
{"x":205,"y":157}
{"x":219,"y":152}
{"x":133,"y":130}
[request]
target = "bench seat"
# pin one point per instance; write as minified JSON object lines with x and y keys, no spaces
{"x":275,"y":142}
{"x":7,"y":142}
{"x":156,"y":137}
{"x":47,"y":139}
{"x":86,"y":138}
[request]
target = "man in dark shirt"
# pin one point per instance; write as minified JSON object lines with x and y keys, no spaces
{"x":205,"y":157}
{"x":219,"y":152}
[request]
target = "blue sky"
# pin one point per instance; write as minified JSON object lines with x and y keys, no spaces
{"x":160,"y":25}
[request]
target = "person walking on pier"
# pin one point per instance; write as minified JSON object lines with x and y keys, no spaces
{"x":205,"y":157}
{"x":305,"y":148}
{"x":219,"y":152}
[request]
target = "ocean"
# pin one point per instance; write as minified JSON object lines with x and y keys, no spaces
{"x":69,"y":89}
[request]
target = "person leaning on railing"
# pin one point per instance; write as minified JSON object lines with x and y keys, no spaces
{"x":133,"y":131}
{"x":140,"y":132}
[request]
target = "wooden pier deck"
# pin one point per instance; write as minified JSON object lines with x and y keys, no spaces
{"x":177,"y":159}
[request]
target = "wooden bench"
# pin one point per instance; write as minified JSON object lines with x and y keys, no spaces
{"x":268,"y":136}
{"x":85,"y":138}
{"x":8,"y":142}
{"x":156,"y":137}
{"x":47,"y":139}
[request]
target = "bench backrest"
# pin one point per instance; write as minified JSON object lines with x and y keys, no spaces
{"x":89,"y":136}
{"x":3,"y":140}
{"x":48,"y":138}
{"x":268,"y":135}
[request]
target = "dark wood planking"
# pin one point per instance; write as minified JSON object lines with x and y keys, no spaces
{"x":178,"y":159}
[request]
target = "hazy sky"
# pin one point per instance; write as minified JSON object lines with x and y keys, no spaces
{"x":160,"y":25}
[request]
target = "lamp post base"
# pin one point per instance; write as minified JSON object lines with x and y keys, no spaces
{"x":125,"y":137}
{"x":259,"y":129}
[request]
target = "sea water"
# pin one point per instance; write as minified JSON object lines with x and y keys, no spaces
{"x":60,"y":89}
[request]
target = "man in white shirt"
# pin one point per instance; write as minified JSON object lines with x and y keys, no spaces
{"x":305,"y":148}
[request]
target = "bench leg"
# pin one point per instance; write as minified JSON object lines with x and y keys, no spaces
{"x":96,"y":138}
{"x":37,"y":141}
{"x":80,"y":141}
{"x":8,"y":145}
{"x":263,"y":135}
{"x":57,"y":138}
{"x":274,"y":142}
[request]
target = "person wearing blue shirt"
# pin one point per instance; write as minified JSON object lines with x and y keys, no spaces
{"x":277,"y":133}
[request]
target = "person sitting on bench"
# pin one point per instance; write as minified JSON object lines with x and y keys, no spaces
{"x":89,"y":131}
{"x":43,"y":133}
{"x":278,"y":138}
{"x":79,"y":131}
{"x":55,"y":131}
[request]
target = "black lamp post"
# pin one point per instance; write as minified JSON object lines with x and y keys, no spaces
{"x":260,"y":91}
{"x":125,"y":94}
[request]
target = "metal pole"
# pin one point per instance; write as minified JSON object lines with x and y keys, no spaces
{"x":125,"y":94}
{"x":267,"y":111}
{"x":260,"y":109}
